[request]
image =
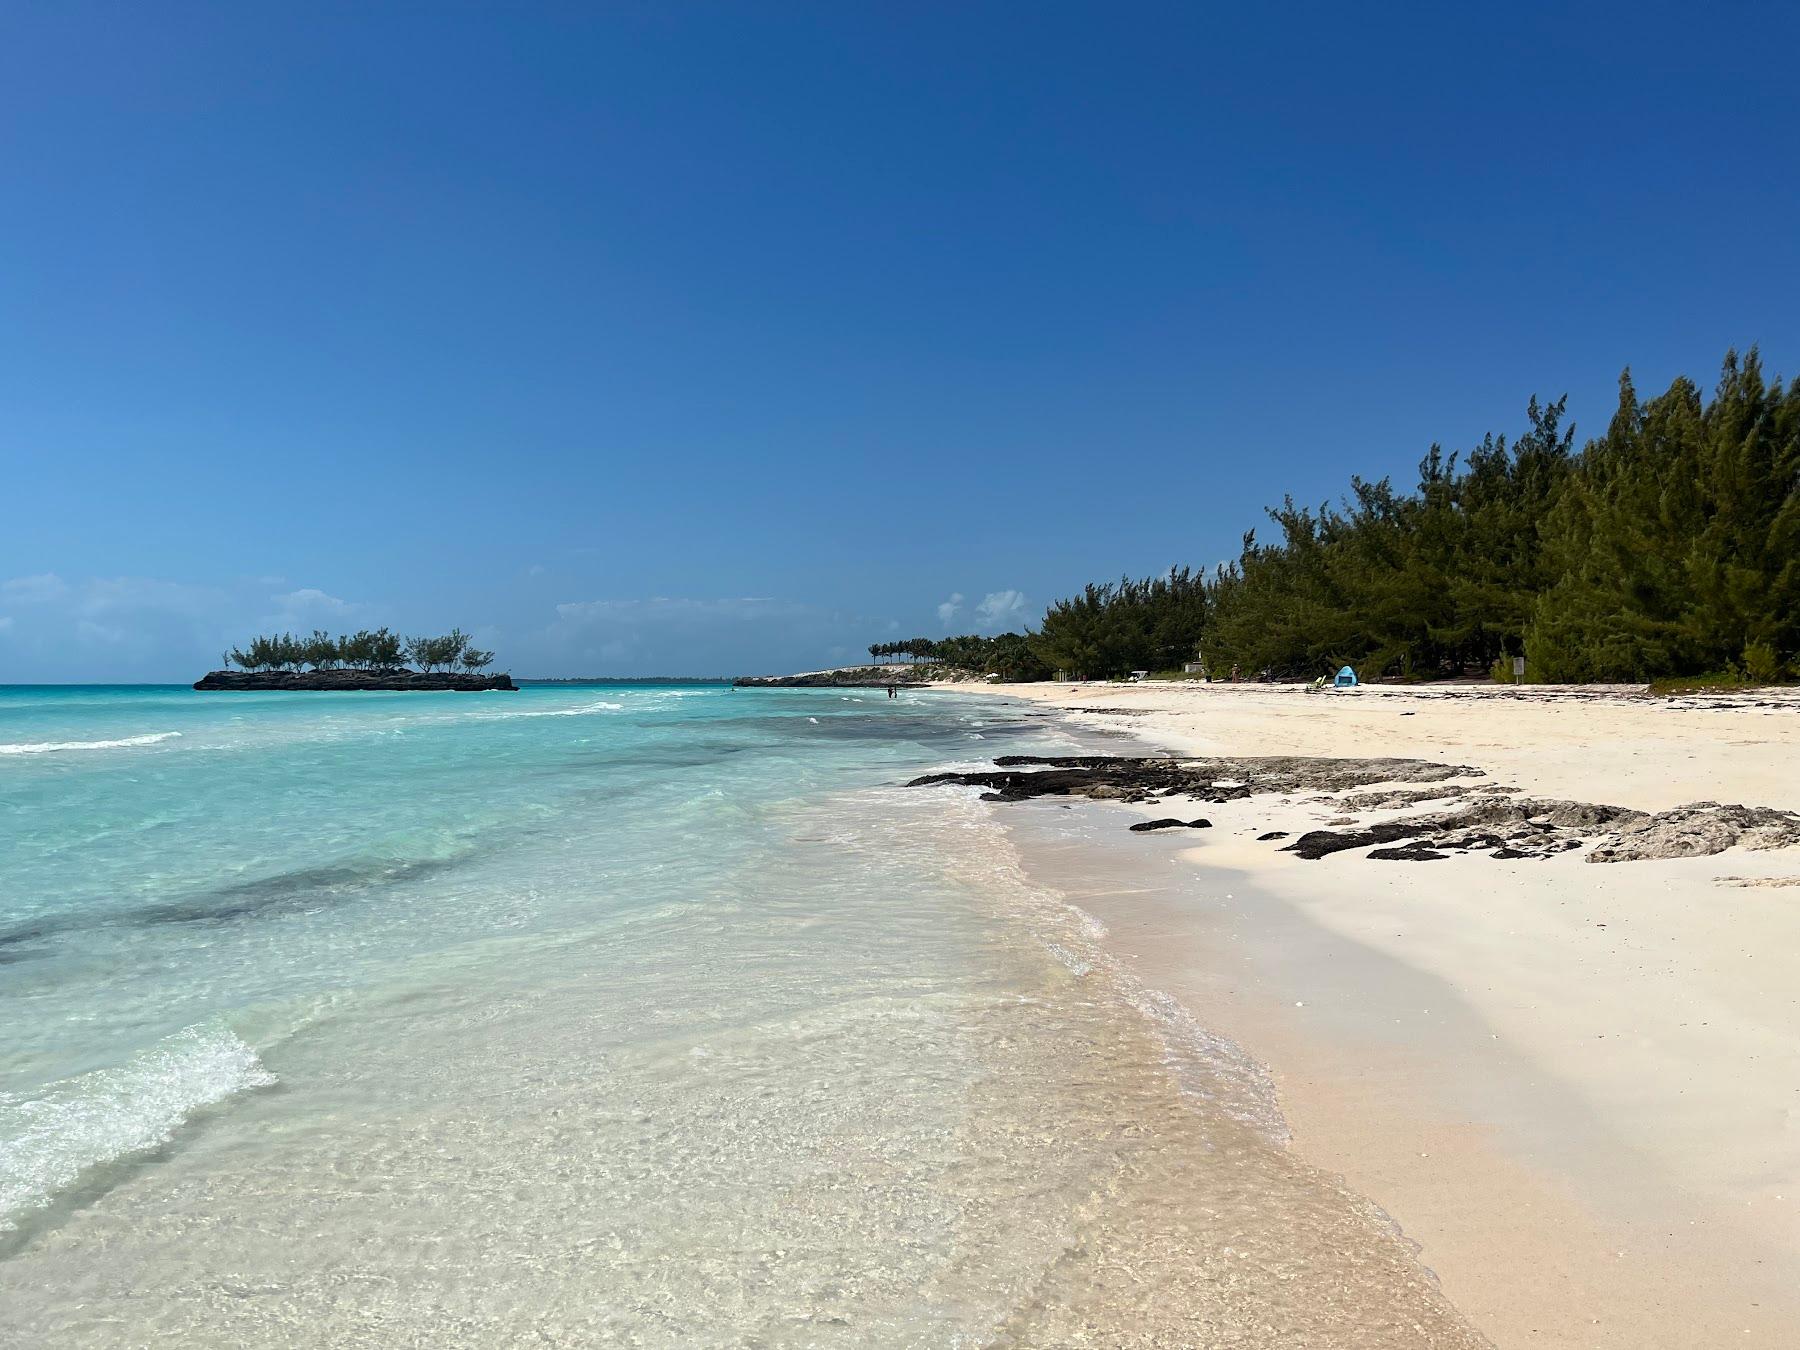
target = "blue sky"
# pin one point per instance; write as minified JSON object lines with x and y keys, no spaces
{"x":674,"y":338}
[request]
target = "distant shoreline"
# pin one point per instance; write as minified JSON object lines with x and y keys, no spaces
{"x":624,"y":679}
{"x":848,"y":677}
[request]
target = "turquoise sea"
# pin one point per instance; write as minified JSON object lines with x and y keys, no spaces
{"x":607,"y":1014}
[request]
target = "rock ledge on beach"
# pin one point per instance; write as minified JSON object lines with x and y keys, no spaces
{"x":1479,"y":818}
{"x":1017,"y":778}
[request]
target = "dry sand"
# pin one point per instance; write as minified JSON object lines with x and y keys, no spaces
{"x":1576,"y":1086}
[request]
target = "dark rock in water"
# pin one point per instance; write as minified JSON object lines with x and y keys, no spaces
{"x":265,"y":681}
{"x":1272,"y":834}
{"x":1408,"y":853}
{"x":1171,"y":823}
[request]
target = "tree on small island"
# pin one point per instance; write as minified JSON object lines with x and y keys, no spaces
{"x":437,"y":653}
{"x":380,"y":651}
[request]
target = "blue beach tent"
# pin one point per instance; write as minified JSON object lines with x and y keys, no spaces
{"x":1346,"y":679}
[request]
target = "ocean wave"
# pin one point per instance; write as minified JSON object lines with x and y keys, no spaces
{"x":1209,"y":1066}
{"x":51,"y":747}
{"x":1205,"y":1066}
{"x":583,"y":710}
{"x":1075,"y":965}
{"x":50,"y":1143}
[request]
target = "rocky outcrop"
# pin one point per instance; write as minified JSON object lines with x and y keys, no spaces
{"x":1017,"y":778}
{"x":265,"y":681}
{"x":1699,"y":829}
{"x":1509,"y":827}
{"x":1526,"y":827}
{"x":1480,"y":817}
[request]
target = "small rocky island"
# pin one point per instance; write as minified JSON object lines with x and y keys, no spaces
{"x":364,"y":661}
{"x":265,"y":680}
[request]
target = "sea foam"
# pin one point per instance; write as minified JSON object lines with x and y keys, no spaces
{"x":49,"y":1142}
{"x":50,"y":747}
{"x":584,"y":709}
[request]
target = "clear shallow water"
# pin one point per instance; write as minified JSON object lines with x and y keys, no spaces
{"x":605,"y":1015}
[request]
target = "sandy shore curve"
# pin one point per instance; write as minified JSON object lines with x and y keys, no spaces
{"x":1575,"y":1086}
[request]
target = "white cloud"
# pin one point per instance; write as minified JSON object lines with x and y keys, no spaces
{"x":310,"y":597}
{"x":134,"y":627}
{"x":110,"y":626}
{"x":33,"y":589}
{"x":101,"y":597}
{"x":5,"y":622}
{"x":1000,"y":609}
{"x":310,"y":606}
{"x":948,"y":611}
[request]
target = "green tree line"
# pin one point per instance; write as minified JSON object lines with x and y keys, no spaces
{"x":1156,"y":623}
{"x":377,"y":650}
{"x":1011,"y":656}
{"x":1667,"y":546}
{"x":910,"y":649}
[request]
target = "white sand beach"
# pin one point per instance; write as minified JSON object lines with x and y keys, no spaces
{"x":1576,"y":1086}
